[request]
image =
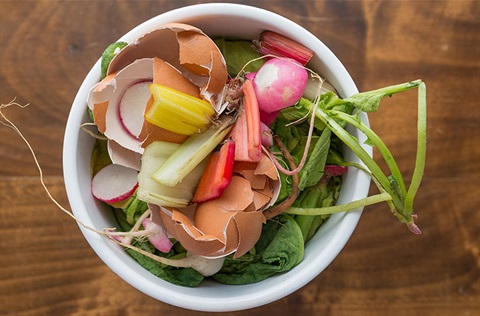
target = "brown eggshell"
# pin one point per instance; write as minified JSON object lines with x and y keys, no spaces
{"x":250,"y":228}
{"x":105,"y":81}
{"x":257,"y":181}
{"x":260,"y":199}
{"x":184,"y":47}
{"x":179,"y":225}
{"x":167,"y":75}
{"x":217,"y":74}
{"x":212,"y":220}
{"x":202,"y":245}
{"x":230,"y":223}
{"x":190,"y":42}
{"x":267,"y":167}
{"x":268,"y":190}
{"x":112,"y":92}
{"x":240,"y":166}
{"x":237,"y":196}
{"x":161,"y":42}
{"x":99,"y":115}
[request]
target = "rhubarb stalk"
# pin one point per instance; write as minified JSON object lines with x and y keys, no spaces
{"x":217,"y":175}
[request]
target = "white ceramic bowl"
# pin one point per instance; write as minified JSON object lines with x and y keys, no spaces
{"x":236,"y":21}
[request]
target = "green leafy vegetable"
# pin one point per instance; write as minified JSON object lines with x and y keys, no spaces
{"x":111,"y":51}
{"x":279,"y":249}
{"x":237,"y":54}
{"x":180,"y":276}
{"x":135,"y":209}
{"x":312,"y":172}
{"x":100,"y":157}
{"x":323,"y":194}
{"x":392,"y":187}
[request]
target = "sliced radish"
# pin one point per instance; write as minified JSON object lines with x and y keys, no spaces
{"x":132,"y":107}
{"x":114,"y":183}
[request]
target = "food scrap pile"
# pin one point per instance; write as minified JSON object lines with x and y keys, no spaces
{"x":213,"y":152}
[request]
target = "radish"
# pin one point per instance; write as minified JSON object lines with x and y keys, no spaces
{"x":132,"y":107}
{"x":114,"y":183}
{"x":157,"y":236}
{"x":279,"y":83}
{"x":268,"y":118}
{"x":266,"y":134}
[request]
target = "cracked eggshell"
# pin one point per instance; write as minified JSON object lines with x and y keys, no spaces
{"x":233,"y":222}
{"x":180,"y":225}
{"x":104,"y":100}
{"x":187,"y":49}
{"x":122,"y":156}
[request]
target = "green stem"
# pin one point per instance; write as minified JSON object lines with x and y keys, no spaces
{"x":382,"y":148}
{"x":421,"y":149}
{"x":353,"y":144}
{"x":382,"y":197}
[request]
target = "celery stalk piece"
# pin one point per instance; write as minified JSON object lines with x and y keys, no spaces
{"x":153,"y":192}
{"x":195,"y":149}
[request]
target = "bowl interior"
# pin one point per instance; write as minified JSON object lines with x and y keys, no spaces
{"x":234,"y":21}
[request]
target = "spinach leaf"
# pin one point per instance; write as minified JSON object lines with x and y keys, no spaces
{"x":279,"y":249}
{"x":325,"y":193}
{"x":237,"y":54}
{"x":179,"y":276}
{"x":317,"y":156}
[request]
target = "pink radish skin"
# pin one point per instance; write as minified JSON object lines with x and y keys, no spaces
{"x":157,"y":236}
{"x":268,"y":118}
{"x":114,"y":183}
{"x":279,"y":83}
{"x":266,"y":133}
{"x":132,"y":107}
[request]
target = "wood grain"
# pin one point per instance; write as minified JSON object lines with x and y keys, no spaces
{"x":47,"y":267}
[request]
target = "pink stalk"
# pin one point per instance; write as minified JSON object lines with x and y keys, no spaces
{"x":267,"y":137}
{"x":157,"y":236}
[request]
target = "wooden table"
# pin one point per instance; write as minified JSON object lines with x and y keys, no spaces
{"x":47,"y":267}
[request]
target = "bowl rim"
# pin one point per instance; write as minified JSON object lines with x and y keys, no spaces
{"x":340,"y":227}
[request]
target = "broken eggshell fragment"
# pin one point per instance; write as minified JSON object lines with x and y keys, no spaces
{"x":187,"y":49}
{"x":231,"y":223}
{"x":105,"y":97}
{"x":175,"y":55}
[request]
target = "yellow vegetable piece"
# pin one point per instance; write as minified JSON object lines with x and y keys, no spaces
{"x":177,"y":111}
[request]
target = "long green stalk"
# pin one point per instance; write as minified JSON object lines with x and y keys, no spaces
{"x":382,"y":148}
{"x":353,"y":144}
{"x":382,"y":197}
{"x":421,"y":149}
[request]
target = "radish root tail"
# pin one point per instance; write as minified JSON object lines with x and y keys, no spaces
{"x":106,"y":231}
